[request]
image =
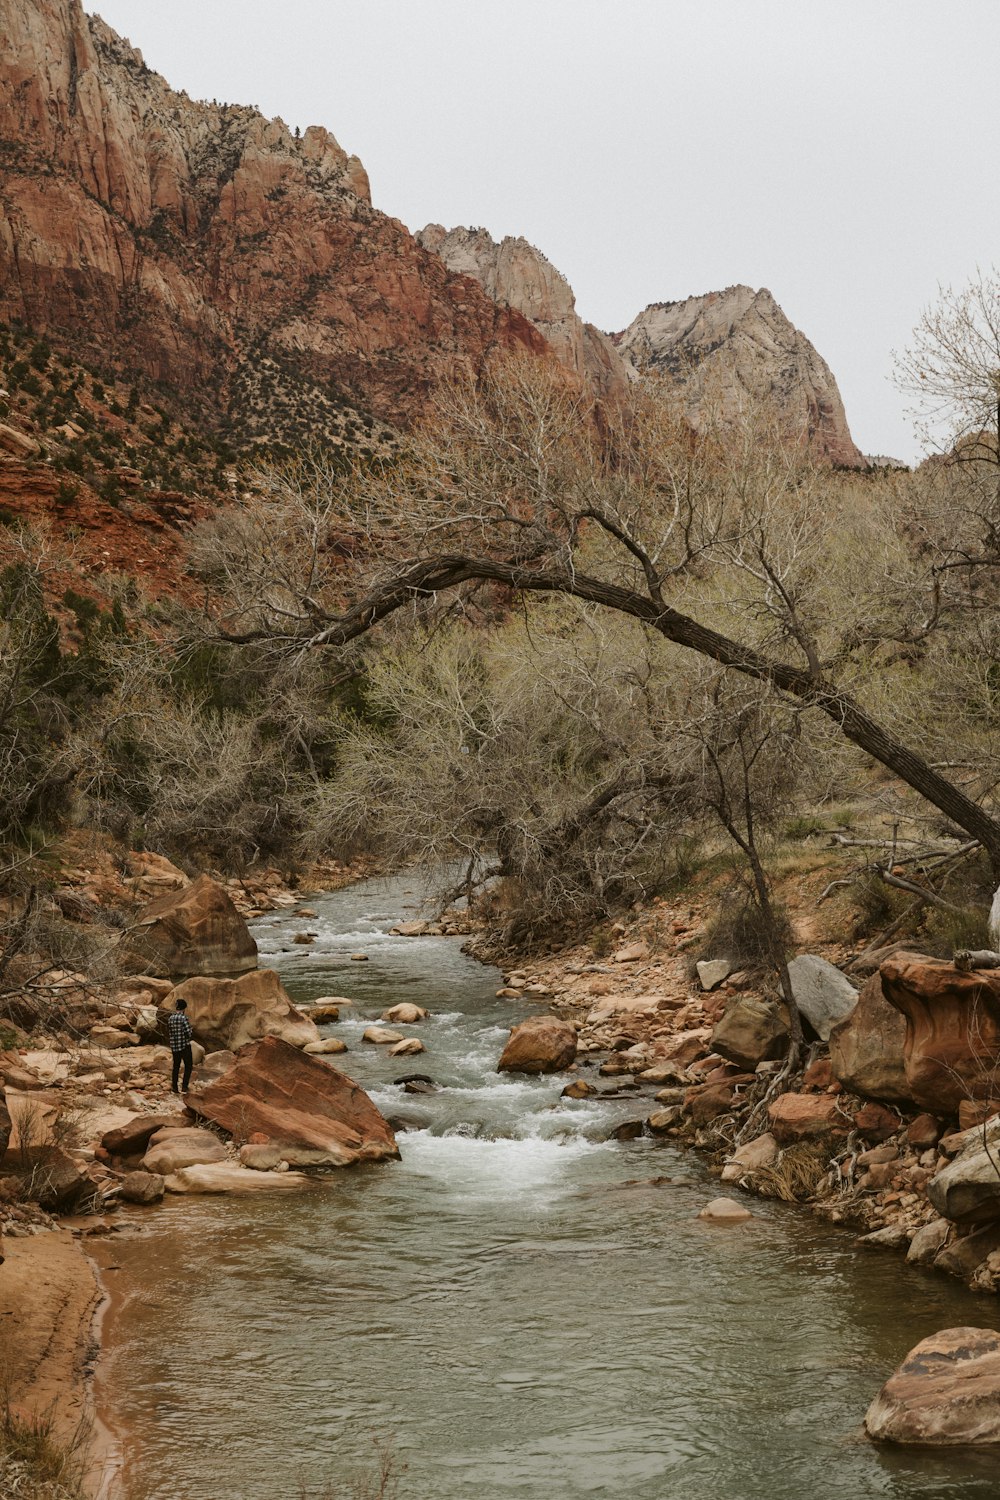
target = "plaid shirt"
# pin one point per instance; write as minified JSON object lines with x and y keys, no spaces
{"x":179,"y":1030}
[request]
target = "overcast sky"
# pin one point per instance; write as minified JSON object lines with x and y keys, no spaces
{"x":843,"y":155}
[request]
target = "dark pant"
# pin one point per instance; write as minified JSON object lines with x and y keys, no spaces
{"x":187,"y":1059}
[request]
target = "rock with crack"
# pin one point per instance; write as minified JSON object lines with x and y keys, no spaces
{"x":867,"y":1046}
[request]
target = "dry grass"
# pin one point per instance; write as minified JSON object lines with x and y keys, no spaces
{"x":35,"y":1463}
{"x":795,"y":1175}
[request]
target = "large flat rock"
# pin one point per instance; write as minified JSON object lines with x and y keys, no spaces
{"x":227,"y":1177}
{"x":314,"y":1114}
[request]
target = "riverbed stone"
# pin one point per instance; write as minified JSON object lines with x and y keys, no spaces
{"x":751,"y":1157}
{"x":381,"y":1036}
{"x":578,"y":1089}
{"x":321,"y":1015}
{"x":405,"y":1014}
{"x":229,"y":1013}
{"x":195,"y":930}
{"x":540,"y":1044}
{"x":141,"y":1187}
{"x":725,"y":1211}
{"x":327,"y":1046}
{"x":805,"y":1117}
{"x":964,"y":1253}
{"x":227,"y":1177}
{"x":408,"y":1047}
{"x":318,"y":1115}
{"x":132,"y":1138}
{"x":752,"y":1030}
{"x":663,"y":1120}
{"x":945,"y":1393}
{"x":822,"y":993}
{"x":967,"y":1190}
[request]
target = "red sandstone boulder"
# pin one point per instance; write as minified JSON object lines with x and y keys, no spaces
{"x":806,"y":1117}
{"x":946,"y":1392}
{"x":952,"y":1028}
{"x":225,"y":1014}
{"x":310,"y":1112}
{"x":876,"y":1123}
{"x":540,"y":1044}
{"x":195,"y":930}
{"x":866,"y":1047}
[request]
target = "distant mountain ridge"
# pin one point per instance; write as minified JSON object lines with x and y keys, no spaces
{"x":727,"y":345}
{"x":192,"y":242}
{"x":240,"y":271}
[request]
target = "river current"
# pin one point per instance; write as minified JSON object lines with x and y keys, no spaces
{"x":520,"y":1308}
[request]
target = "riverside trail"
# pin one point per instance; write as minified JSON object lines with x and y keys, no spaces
{"x":519,"y":1307}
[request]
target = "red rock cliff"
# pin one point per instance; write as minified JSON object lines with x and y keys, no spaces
{"x":192,"y":241}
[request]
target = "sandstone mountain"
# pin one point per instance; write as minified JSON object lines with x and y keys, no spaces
{"x":209,"y":249}
{"x":726,"y":345}
{"x":721,"y":346}
{"x":516,"y":275}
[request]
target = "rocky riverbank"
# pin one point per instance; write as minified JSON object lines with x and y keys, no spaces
{"x":889,"y":1124}
{"x":883,"y":1128}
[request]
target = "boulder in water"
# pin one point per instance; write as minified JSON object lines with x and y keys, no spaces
{"x":945,"y":1393}
{"x":725,"y":1211}
{"x":540,"y":1044}
{"x":405,"y":1014}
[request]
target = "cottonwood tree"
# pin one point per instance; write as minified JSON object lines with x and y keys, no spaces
{"x":952,"y":370}
{"x":724,"y":549}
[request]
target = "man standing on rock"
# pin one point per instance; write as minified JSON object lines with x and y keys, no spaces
{"x":179,"y":1029}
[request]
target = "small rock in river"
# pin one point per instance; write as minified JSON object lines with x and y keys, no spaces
{"x":408,"y":1047}
{"x":405,"y":1014}
{"x":325,"y":1047}
{"x":304,"y":937}
{"x":578,"y":1089}
{"x":725,"y":1211}
{"x":381,"y":1036}
{"x":359,"y":958}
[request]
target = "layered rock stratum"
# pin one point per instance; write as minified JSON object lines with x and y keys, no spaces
{"x":212,"y":250}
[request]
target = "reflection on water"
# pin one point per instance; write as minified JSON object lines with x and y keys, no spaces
{"x":523,"y":1308}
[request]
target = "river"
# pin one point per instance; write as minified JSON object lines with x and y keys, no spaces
{"x":519,"y":1308}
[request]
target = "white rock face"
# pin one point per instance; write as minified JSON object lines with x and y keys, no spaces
{"x":725,"y":346}
{"x":822,"y":993}
{"x":517,"y":275}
